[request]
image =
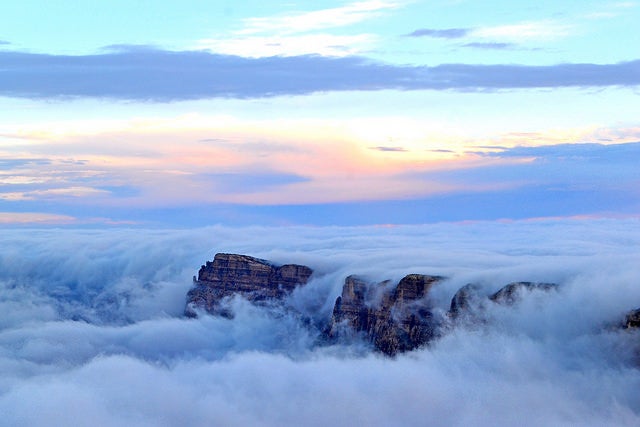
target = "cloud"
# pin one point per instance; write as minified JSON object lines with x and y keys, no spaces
{"x":497,"y":34}
{"x":523,"y":31}
{"x":555,"y":180}
{"x":34,"y":218}
{"x":303,"y":22}
{"x":447,"y":33}
{"x":327,"y":179}
{"x":230,"y":183}
{"x":300,"y":33}
{"x":15,"y":163}
{"x":490,"y":45}
{"x":389,"y":149}
{"x":302,"y":44}
{"x":92,"y":331}
{"x":611,"y":10}
{"x":63,"y":192}
{"x":593,"y":152}
{"x":150,"y":75}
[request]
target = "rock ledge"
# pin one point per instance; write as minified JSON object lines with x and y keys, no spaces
{"x":253,"y":278}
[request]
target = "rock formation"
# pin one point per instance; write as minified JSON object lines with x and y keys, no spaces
{"x":254,"y":279}
{"x":393,"y":319}
{"x":469,"y":303}
{"x":514,"y":291}
{"x":466,"y":300}
{"x":632,"y":319}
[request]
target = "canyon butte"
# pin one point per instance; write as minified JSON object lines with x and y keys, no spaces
{"x":391,"y":317}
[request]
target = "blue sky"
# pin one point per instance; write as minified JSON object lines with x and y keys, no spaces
{"x":196,"y":112}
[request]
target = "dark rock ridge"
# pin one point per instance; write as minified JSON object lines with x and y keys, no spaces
{"x":513,"y":291}
{"x":253,"y":278}
{"x":466,"y":300}
{"x":632,"y":319}
{"x":393,"y":319}
{"x":469,"y":302}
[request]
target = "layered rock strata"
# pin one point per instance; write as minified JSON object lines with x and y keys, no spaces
{"x":253,"y":278}
{"x":394,"y":319}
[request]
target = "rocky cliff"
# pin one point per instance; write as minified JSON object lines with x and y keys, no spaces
{"x":391,"y":317}
{"x":632,"y":319}
{"x":253,"y":278}
{"x":469,"y":302}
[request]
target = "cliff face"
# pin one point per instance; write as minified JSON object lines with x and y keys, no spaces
{"x":394,"y":320}
{"x":253,"y":278}
{"x":632,"y":319}
{"x":469,"y":304}
{"x":514,"y":291}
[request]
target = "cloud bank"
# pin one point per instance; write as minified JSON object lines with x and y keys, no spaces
{"x":309,"y":186}
{"x":147,"y":74}
{"x":92,"y":332}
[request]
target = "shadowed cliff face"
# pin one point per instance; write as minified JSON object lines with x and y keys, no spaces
{"x":632,"y":319}
{"x":393,"y":320}
{"x":254,"y":279}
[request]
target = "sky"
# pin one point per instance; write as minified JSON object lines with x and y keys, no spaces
{"x":195,"y":112}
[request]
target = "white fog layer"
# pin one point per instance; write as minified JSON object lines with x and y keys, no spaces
{"x":92,"y":330}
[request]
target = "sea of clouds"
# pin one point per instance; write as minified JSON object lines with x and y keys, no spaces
{"x":92,"y":332}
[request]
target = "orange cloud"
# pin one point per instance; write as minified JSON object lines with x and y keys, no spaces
{"x":185,"y":159}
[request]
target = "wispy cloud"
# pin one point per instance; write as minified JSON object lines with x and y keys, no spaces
{"x":389,"y":149}
{"x":447,"y":33}
{"x":530,"y":30}
{"x":301,"y":33}
{"x":611,"y":10}
{"x":34,"y":218}
{"x":302,"y":22}
{"x":490,"y":45}
{"x":501,"y":36}
{"x":54,"y":193}
{"x":283,"y":45}
{"x":151,"y":75}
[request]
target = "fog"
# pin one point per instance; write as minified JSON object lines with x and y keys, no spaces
{"x":92,"y":331}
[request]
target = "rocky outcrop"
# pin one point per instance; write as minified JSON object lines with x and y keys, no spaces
{"x":632,"y":319}
{"x":394,"y":319}
{"x":514,"y":291}
{"x":253,"y":278}
{"x":466,"y":300}
{"x":469,"y":303}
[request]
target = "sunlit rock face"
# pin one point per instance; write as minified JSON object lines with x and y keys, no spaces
{"x":253,"y":278}
{"x":393,"y":318}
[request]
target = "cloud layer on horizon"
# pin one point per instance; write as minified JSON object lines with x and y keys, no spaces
{"x":311,"y":187}
{"x":148,"y":74}
{"x":92,"y":332}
